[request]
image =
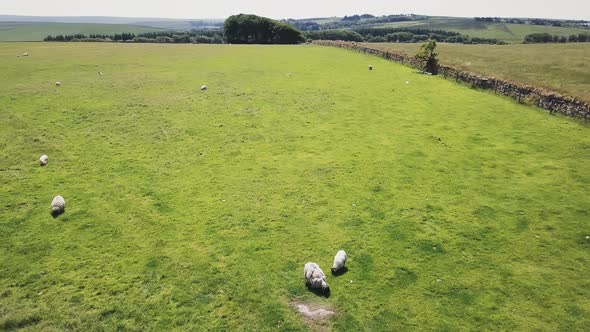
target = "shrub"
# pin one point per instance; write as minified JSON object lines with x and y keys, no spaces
{"x":428,"y":57}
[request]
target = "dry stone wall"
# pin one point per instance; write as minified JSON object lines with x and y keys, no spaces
{"x":549,"y":100}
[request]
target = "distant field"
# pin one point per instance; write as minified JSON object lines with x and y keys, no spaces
{"x":19,"y":31}
{"x":513,"y":33}
{"x":560,"y":67}
{"x":196,"y":211}
{"x":171,"y":24}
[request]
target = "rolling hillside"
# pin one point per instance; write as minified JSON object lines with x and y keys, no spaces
{"x":26,"y":31}
{"x":513,"y":33}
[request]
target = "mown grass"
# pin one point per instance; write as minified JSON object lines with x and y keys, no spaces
{"x":28,"y":31}
{"x":559,"y":67}
{"x":197,"y":211}
{"x":513,"y":33}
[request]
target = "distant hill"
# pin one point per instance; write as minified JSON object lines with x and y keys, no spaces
{"x":27,"y":31}
{"x":507,"y":30}
{"x":165,"y":23}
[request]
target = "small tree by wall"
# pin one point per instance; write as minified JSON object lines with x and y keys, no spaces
{"x":428,"y":57}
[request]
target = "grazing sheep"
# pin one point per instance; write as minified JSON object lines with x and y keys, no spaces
{"x":43,"y":160}
{"x":57,"y":83}
{"x":370,"y":67}
{"x":339,"y":261}
{"x":26,"y":54}
{"x":100,"y":73}
{"x":203,"y":88}
{"x":58,"y":205}
{"x":315,"y":277}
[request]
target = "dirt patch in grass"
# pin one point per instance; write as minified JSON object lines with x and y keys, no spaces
{"x":315,"y":315}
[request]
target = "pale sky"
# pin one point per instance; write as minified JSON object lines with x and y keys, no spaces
{"x":567,"y":9}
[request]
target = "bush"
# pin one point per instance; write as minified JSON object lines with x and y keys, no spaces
{"x":163,"y":39}
{"x":202,"y":40}
{"x":428,"y":57}
{"x":419,"y":38}
{"x":143,"y":40}
{"x":400,"y":37}
{"x":377,"y":39}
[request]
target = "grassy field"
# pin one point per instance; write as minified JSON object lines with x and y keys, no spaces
{"x":190,"y":210}
{"x":513,"y":33}
{"x":19,"y":31}
{"x":560,"y":67}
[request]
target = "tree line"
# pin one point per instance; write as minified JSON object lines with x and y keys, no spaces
{"x":348,"y":22}
{"x":357,"y":17}
{"x":182,"y":37}
{"x":538,"y":38}
{"x":363,"y":20}
{"x":303,"y":25}
{"x":237,"y":29}
{"x":534,"y":21}
{"x":252,"y":29}
{"x":397,"y":35}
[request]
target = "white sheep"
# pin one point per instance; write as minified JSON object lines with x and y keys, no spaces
{"x":57,"y":83}
{"x":370,"y":67}
{"x":339,"y":261}
{"x":203,"y":88}
{"x":43,"y":160}
{"x":100,"y":73}
{"x":26,"y":54}
{"x":58,"y":205}
{"x":315,"y":277}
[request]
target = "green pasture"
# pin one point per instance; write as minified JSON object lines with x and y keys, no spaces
{"x":190,"y":210}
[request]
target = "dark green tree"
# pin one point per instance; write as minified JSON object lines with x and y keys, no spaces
{"x":428,"y":57}
{"x":252,"y":29}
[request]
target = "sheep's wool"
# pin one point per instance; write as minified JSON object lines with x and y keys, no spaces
{"x":58,"y":204}
{"x":314,"y":275}
{"x":339,"y":260}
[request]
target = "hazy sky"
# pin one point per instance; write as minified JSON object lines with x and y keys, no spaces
{"x":575,"y":9}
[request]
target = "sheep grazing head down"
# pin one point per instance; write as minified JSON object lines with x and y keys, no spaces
{"x":58,"y":205}
{"x":339,"y":261}
{"x":43,"y":160}
{"x":315,"y":277}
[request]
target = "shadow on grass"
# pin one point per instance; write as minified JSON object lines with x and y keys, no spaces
{"x":340,"y":272}
{"x":318,"y":291}
{"x":56,"y":214}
